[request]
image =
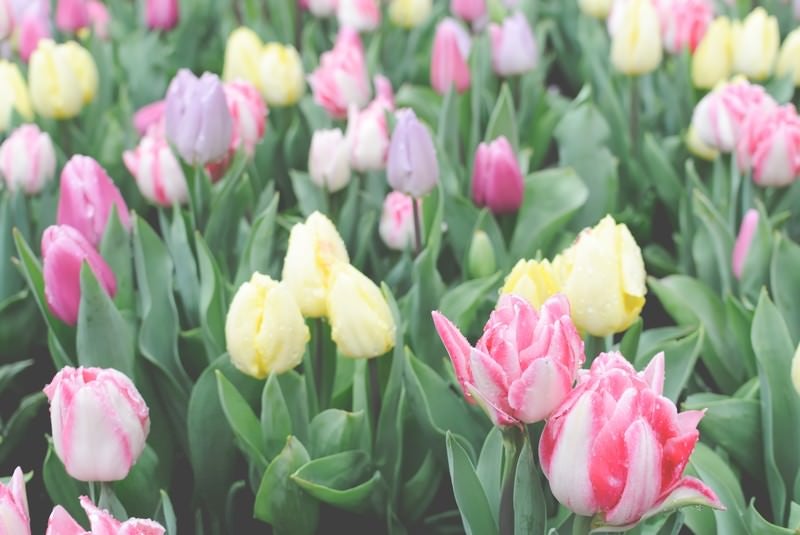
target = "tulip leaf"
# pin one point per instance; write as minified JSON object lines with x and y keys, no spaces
{"x":335,"y":430}
{"x":9,"y":371}
{"x":715,"y":472}
{"x":115,"y":249}
{"x":530,"y":511}
{"x":257,"y":253}
{"x":232,"y":197}
{"x":280,"y":501}
{"x":425,"y":297}
{"x":293,"y":388}
{"x":420,"y":489}
{"x":16,"y":430}
{"x":462,"y":302}
{"x":629,"y":345}
{"x":345,"y":480}
{"x":721,"y":237}
{"x":785,"y":282}
{"x":61,"y":488}
{"x":425,"y":102}
{"x":165,"y":515}
{"x":282,"y":17}
{"x":503,"y":121}
{"x":310,"y":197}
{"x":663,"y":176}
{"x":276,"y":422}
{"x":187,"y":282}
{"x":13,"y":213}
{"x":490,"y":468}
{"x":136,"y":491}
{"x":470,"y":496}
{"x":680,"y":356}
{"x":243,"y":421}
{"x":213,"y":301}
{"x":760,"y":526}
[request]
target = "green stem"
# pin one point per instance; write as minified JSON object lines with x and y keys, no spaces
{"x":513,"y":440}
{"x":374,"y":388}
{"x":106,"y":499}
{"x":417,"y":227}
{"x":581,"y":525}
{"x":634,"y":115}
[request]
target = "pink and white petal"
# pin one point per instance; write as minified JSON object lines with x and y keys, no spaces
{"x":457,"y":347}
{"x":17,"y":488}
{"x":498,"y":416}
{"x":688,"y":491}
{"x":137,"y":526}
{"x":688,"y":420}
{"x":61,"y":523}
{"x":654,"y":373}
{"x":490,"y":379}
{"x":100,"y":521}
{"x":540,"y":390}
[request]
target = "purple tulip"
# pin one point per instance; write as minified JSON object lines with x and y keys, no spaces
{"x":198,"y":122}
{"x":496,"y":178}
{"x":412,"y":166}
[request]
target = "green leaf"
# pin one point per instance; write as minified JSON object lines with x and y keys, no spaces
{"x":503,"y":121}
{"x":257,"y":253}
{"x":115,"y":249}
{"x":187,"y":282}
{"x":424,"y":297}
{"x":423,"y":100}
{"x":785,"y":282}
{"x":421,"y":488}
{"x":18,"y":427}
{"x":470,"y":496}
{"x":343,"y":480}
{"x":334,"y":430}
{"x":282,"y":17}
{"x":213,"y":301}
{"x":310,"y":197}
{"x":666,"y":181}
{"x":243,"y":421}
{"x":680,"y":356}
{"x":10,"y":204}
{"x":490,"y":468}
{"x":294,"y":392}
{"x":714,"y":472}
{"x":461,"y":302}
{"x":530,"y":511}
{"x":61,"y":488}
{"x":165,"y":515}
{"x":9,"y":371}
{"x":721,"y":237}
{"x":629,"y":345}
{"x":137,"y":490}
{"x":276,"y":422}
{"x":760,"y":526}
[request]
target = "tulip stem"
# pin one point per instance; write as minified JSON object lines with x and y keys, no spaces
{"x":581,"y":525}
{"x":374,"y":387}
{"x":417,"y":227}
{"x":634,"y":115}
{"x":513,"y":442}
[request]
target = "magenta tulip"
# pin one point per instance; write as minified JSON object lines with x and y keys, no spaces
{"x":496,"y":178}
{"x":72,"y":15}
{"x":162,"y":14}
{"x":469,"y":10}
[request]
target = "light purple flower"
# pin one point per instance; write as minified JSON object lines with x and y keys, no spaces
{"x":412,"y":166}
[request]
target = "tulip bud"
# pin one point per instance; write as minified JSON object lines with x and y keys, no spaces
{"x":6,"y":19}
{"x":684,"y":23}
{"x":697,"y":147}
{"x":56,"y":90}
{"x":27,"y":159}
{"x":496,"y":178}
{"x":72,"y":15}
{"x":409,"y":13}
{"x":84,"y":67}
{"x":796,"y":370}
{"x":755,"y":44}
{"x":481,"y":258}
{"x":314,"y":246}
{"x":361,"y":323}
{"x":468,"y":10}
{"x":151,"y":117}
{"x":412,"y":166}
{"x":157,"y":172}
{"x":598,"y":9}
{"x":636,"y":45}
{"x":397,"y":221}
{"x":162,"y":14}
{"x":248,"y":114}
{"x":100,"y":422}
{"x":32,"y":28}
{"x":743,"y":240}
{"x":525,"y":363}
{"x":242,"y":56}
{"x":341,"y":78}
{"x":368,"y":136}
{"x":281,"y":74}
{"x":534,"y":281}
{"x":770,"y":145}
{"x":64,"y":250}
{"x":86,"y":198}
{"x":198,"y":122}
{"x":514,"y":48}
{"x":13,"y":95}
{"x":14,"y":516}
{"x":329,"y":160}
{"x":264,"y":330}
{"x":449,"y":67}
{"x":360,"y":15}
{"x":99,"y":17}
{"x":789,"y":58}
{"x":100,"y":522}
{"x":322,"y":8}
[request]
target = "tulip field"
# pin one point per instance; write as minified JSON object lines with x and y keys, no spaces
{"x":492,"y":267}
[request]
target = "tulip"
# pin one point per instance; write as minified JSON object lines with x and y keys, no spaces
{"x":617,"y":448}
{"x":341,"y":78}
{"x":14,"y":516}
{"x":242,"y":56}
{"x":712,"y":61}
{"x":56,"y":90}
{"x":368,"y":136}
{"x":150,"y":118}
{"x":684,"y":23}
{"x":6,"y":19}
{"x":99,"y":17}
{"x":789,"y":57}
{"x":361,"y":322}
{"x":636,"y":46}
{"x":469,"y":10}
{"x":157,"y":172}
{"x":697,"y":147}
{"x":248,"y":114}
{"x":281,"y":75}
{"x":64,"y":250}
{"x":514,"y":48}
{"x":314,"y":247}
{"x":264,"y":330}
{"x":27,"y":159}
{"x":397,"y":221}
{"x":523,"y":366}
{"x":162,"y":14}
{"x":100,"y":523}
{"x":719,"y":115}
{"x":323,"y":8}
{"x":534,"y":281}
{"x":72,"y":15}
{"x":32,"y":27}
{"x":84,"y":67}
{"x":360,"y":15}
{"x":497,"y":179}
{"x":743,"y":240}
{"x":13,"y":95}
{"x":481,"y":258}
{"x":329,"y":160}
{"x":449,"y":67}
{"x":409,"y":13}
{"x":598,"y":9}
{"x":412,"y":166}
{"x":755,"y":44}
{"x":198,"y":122}
{"x":770,"y":145}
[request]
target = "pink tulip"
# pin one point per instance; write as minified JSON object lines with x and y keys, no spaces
{"x":329,"y":160}
{"x":151,"y":116}
{"x":27,"y":159}
{"x":14,"y":516}
{"x":449,"y":65}
{"x":86,"y":197}
{"x":496,"y":178}
{"x":341,"y":78}
{"x":469,"y":10}
{"x":100,"y":422}
{"x":769,"y":145}
{"x":6,"y":19}
{"x":368,"y":132}
{"x":523,"y":366}
{"x":157,"y":172}
{"x":100,"y":18}
{"x":746,"y":233}
{"x":617,"y":448}
{"x":72,"y":15}
{"x":162,"y":14}
{"x":360,"y":15}
{"x":719,"y":115}
{"x":248,"y":113}
{"x":32,"y":28}
{"x":684,"y":23}
{"x":397,"y":221}
{"x":100,"y":523}
{"x":514,"y":48}
{"x":322,"y":8}
{"x":64,"y":250}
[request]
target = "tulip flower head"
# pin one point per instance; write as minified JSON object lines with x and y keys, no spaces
{"x":769,"y":145}
{"x":248,"y":115}
{"x":684,"y":23}
{"x":449,"y":66}
{"x":281,"y":75}
{"x":789,"y":57}
{"x":14,"y":516}
{"x":85,"y":69}
{"x":712,"y":62}
{"x":469,"y":10}
{"x":360,"y":15}
{"x":6,"y":19}
{"x":514,"y":48}
{"x":242,"y":57}
{"x":535,"y":281}
{"x":497,"y":179}
{"x":341,"y":78}
{"x":162,"y":14}
{"x":598,"y":9}
{"x":99,"y":17}
{"x":412,"y":166}
{"x":697,"y":147}
{"x":616,"y":448}
{"x":368,"y":135}
{"x":755,"y":44}
{"x":72,"y":15}
{"x":636,"y":44}
{"x":55,"y":85}
{"x":397,"y":221}
{"x":157,"y":172}
{"x":27,"y":159}
{"x":743,"y":241}
{"x":409,"y":13}
{"x":100,"y":523}
{"x":150,"y":119}
{"x":13,"y":95}
{"x":322,"y":8}
{"x":329,"y":160}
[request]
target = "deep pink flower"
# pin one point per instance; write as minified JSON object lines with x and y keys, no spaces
{"x":468,"y":10}
{"x":496,"y":177}
{"x":72,"y":15}
{"x":162,"y":14}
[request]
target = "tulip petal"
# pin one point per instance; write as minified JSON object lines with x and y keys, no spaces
{"x":61,"y":523}
{"x":138,"y":526}
{"x":101,"y":522}
{"x":688,"y":491}
{"x":654,"y":373}
{"x":540,"y":390}
{"x":498,"y":416}
{"x":490,"y":378}
{"x":457,"y":347}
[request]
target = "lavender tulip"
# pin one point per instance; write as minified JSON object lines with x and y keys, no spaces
{"x":412,"y":166}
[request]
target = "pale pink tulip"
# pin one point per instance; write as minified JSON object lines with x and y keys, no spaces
{"x":684,"y":23}
{"x":27,"y":159}
{"x":329,"y":160}
{"x":100,"y":523}
{"x":72,"y":15}
{"x":100,"y":18}
{"x":746,"y":233}
{"x":449,"y":66}
{"x":514,"y":48}
{"x":14,"y":516}
{"x":397,"y":221}
{"x":341,"y":78}
{"x":469,"y":10}
{"x":157,"y":172}
{"x":151,"y":116}
{"x":32,"y":28}
{"x":360,"y":15}
{"x":248,"y":113}
{"x":769,"y":145}
{"x":368,"y":132}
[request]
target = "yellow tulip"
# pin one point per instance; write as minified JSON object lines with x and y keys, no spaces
{"x":281,"y":74}
{"x":532,"y":280}
{"x":697,"y":147}
{"x":636,"y":44}
{"x":712,"y":62}
{"x":56,"y":91}
{"x":85,"y":69}
{"x":361,"y":323}
{"x":264,"y":330}
{"x":755,"y":44}
{"x":789,"y":58}
{"x":409,"y":13}
{"x":598,"y":9}
{"x":242,"y":55}
{"x":314,"y":247}
{"x":13,"y":95}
